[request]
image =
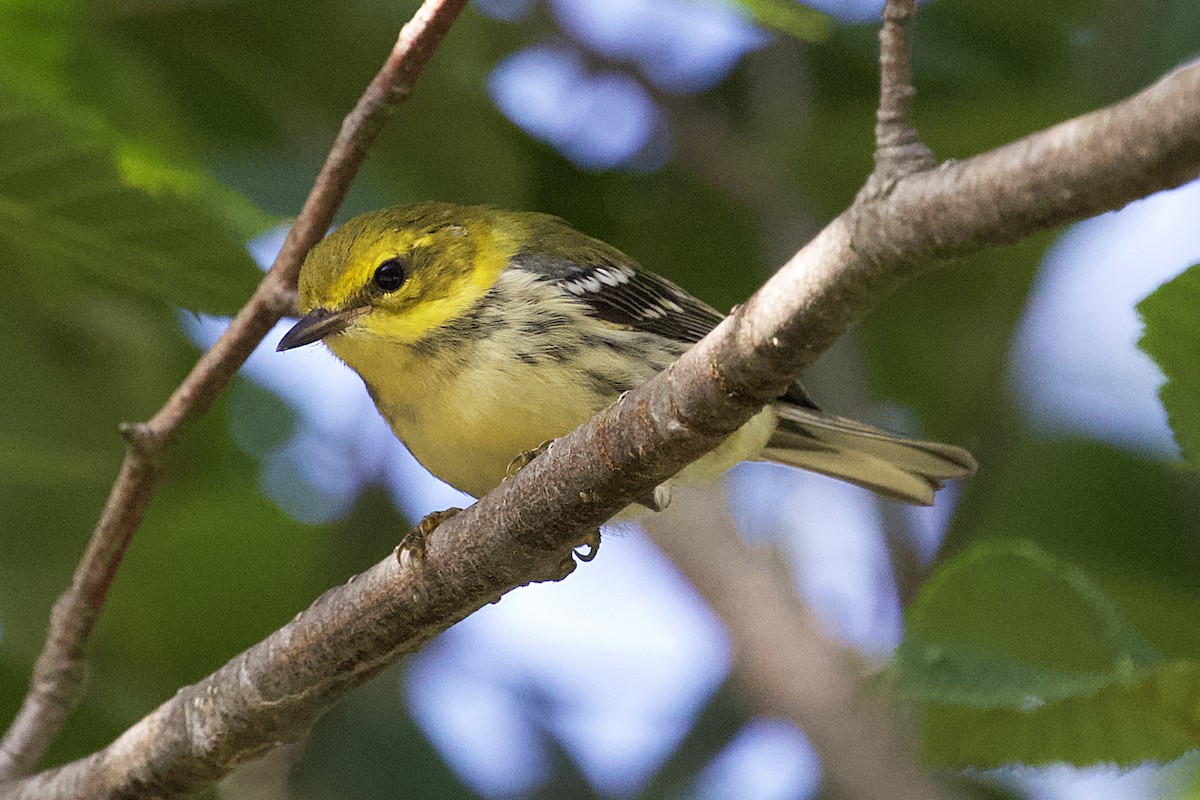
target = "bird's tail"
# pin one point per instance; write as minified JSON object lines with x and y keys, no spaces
{"x":896,"y":467}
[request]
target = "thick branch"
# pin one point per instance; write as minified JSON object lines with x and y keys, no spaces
{"x":523,"y":530}
{"x":58,"y":679}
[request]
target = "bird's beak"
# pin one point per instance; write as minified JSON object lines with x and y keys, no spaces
{"x":317,"y":324}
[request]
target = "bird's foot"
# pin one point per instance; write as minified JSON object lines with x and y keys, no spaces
{"x":592,"y":542}
{"x":411,"y":550}
{"x":526,"y":458}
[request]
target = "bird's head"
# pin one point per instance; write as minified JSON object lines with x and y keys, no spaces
{"x":396,"y":274}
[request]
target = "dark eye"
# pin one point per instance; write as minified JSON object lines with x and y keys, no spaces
{"x":390,"y":275}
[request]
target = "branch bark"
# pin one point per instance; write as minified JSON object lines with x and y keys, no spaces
{"x":59,"y":676}
{"x":898,"y":148}
{"x":524,"y":529}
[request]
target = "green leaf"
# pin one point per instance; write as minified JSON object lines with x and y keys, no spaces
{"x":77,"y":201}
{"x":34,"y":40}
{"x":1172,"y":338}
{"x":1153,"y":717}
{"x":1129,"y":522}
{"x":1008,"y":625}
{"x":1018,"y":657}
{"x":787,"y":16}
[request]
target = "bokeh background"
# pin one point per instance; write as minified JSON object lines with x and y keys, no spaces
{"x":708,"y":139}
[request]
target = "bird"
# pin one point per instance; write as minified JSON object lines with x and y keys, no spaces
{"x":481,"y":334}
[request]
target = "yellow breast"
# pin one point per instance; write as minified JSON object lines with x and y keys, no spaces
{"x":466,"y":428}
{"x":468,"y":401}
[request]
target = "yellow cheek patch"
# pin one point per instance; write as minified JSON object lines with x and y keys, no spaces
{"x":435,"y":298}
{"x":412,"y":324}
{"x":364,"y":262}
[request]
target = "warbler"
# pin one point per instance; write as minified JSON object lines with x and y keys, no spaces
{"x":481,"y":334}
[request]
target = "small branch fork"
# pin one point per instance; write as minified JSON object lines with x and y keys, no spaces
{"x":60,"y":673}
{"x":524,"y":529}
{"x":784,"y":663}
{"x":898,"y":149}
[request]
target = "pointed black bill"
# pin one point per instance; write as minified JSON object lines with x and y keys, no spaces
{"x":317,"y":324}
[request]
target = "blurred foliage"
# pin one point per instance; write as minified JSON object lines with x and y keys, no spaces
{"x":368,"y":746}
{"x":142,"y":136}
{"x":1020,"y":658}
{"x":1173,"y":339}
{"x":787,"y":17}
{"x":97,"y":206}
{"x":1006,"y":626}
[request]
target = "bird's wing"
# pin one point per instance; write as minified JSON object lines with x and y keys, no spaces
{"x":618,"y":290}
{"x":614,"y":288}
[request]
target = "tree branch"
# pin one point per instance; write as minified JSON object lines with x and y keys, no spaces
{"x":898,"y":150}
{"x":57,"y":685}
{"x":523,"y":530}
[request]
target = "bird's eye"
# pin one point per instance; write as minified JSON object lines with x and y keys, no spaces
{"x":390,"y":275}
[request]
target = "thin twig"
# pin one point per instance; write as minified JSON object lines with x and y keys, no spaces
{"x":59,"y":675}
{"x":898,"y":149}
{"x":521,"y":531}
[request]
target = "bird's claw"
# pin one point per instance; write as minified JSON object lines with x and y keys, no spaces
{"x":526,"y":458}
{"x":411,"y":550}
{"x":592,"y":542}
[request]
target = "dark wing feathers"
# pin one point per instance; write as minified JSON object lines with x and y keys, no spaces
{"x":617,"y":290}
